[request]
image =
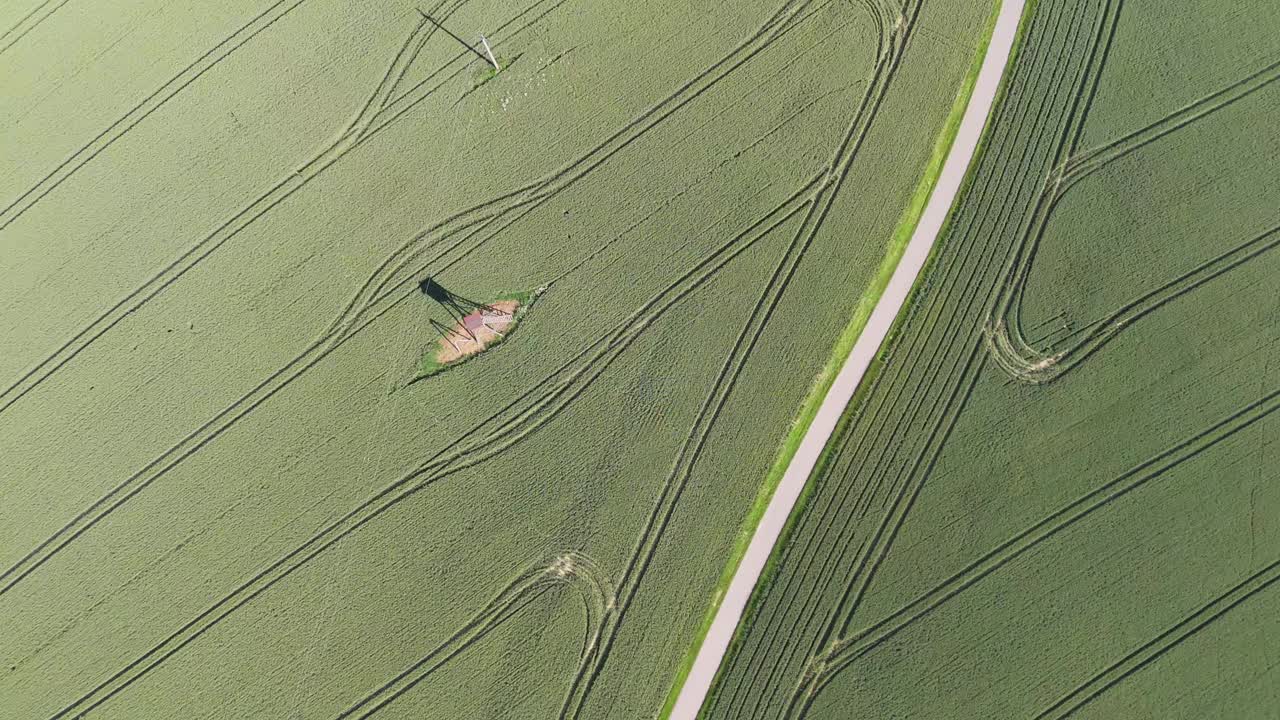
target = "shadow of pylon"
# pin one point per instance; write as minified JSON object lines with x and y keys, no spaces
{"x":457,"y":306}
{"x":453,"y":335}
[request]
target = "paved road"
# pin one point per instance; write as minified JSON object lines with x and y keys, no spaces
{"x":712,"y":651}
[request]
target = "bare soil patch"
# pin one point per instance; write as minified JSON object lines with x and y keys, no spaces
{"x":476,"y":331}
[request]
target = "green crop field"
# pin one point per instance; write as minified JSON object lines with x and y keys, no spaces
{"x":1058,"y":497}
{"x":235,"y":485}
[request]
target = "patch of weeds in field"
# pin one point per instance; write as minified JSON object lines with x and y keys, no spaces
{"x":487,"y":72}
{"x":430,"y":366}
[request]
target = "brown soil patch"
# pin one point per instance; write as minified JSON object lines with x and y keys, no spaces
{"x":477,"y":331}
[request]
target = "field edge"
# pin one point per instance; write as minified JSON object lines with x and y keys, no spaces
{"x":844,"y":345}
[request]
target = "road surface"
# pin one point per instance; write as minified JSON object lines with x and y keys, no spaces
{"x":713,"y":647}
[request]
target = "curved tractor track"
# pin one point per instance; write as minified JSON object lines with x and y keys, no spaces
{"x":570,"y":570}
{"x":1006,"y":338}
{"x":383,"y":108}
{"x":432,"y":252}
{"x":805,"y":630}
{"x":443,"y":245}
{"x":716,"y":644}
{"x":874,"y":473}
{"x":837,"y":635}
{"x":388,"y":103}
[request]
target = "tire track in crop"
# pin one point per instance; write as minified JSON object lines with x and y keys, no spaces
{"x":34,"y":17}
{"x":1017,"y":358}
{"x":383,"y":290}
{"x":570,"y":570}
{"x":834,"y":508}
{"x":1152,"y":650}
{"x":357,"y":131}
{"x":845,"y":649}
{"x":949,"y":335}
{"x":395,"y":280}
{"x":1006,"y":339}
{"x":865,"y":641}
{"x":821,"y":586}
{"x":143,"y":109}
{"x":365,"y":125}
{"x":1005,"y":336}
{"x":500,"y":431}
{"x":134,"y":580}
{"x":1083,"y":164}
{"x":895,"y":29}
{"x":900,"y":497}
{"x":899,"y":501}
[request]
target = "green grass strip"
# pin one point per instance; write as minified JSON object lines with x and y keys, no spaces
{"x":844,"y":345}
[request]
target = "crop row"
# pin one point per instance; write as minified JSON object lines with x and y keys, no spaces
{"x":873,"y":472}
{"x":805,"y":627}
{"x":431,"y":252}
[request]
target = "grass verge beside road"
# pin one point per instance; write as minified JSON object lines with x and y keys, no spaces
{"x":844,"y":345}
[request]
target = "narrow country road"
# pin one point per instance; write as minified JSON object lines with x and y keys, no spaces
{"x":712,"y":650}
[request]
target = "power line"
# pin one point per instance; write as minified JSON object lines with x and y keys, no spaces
{"x":464,"y":43}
